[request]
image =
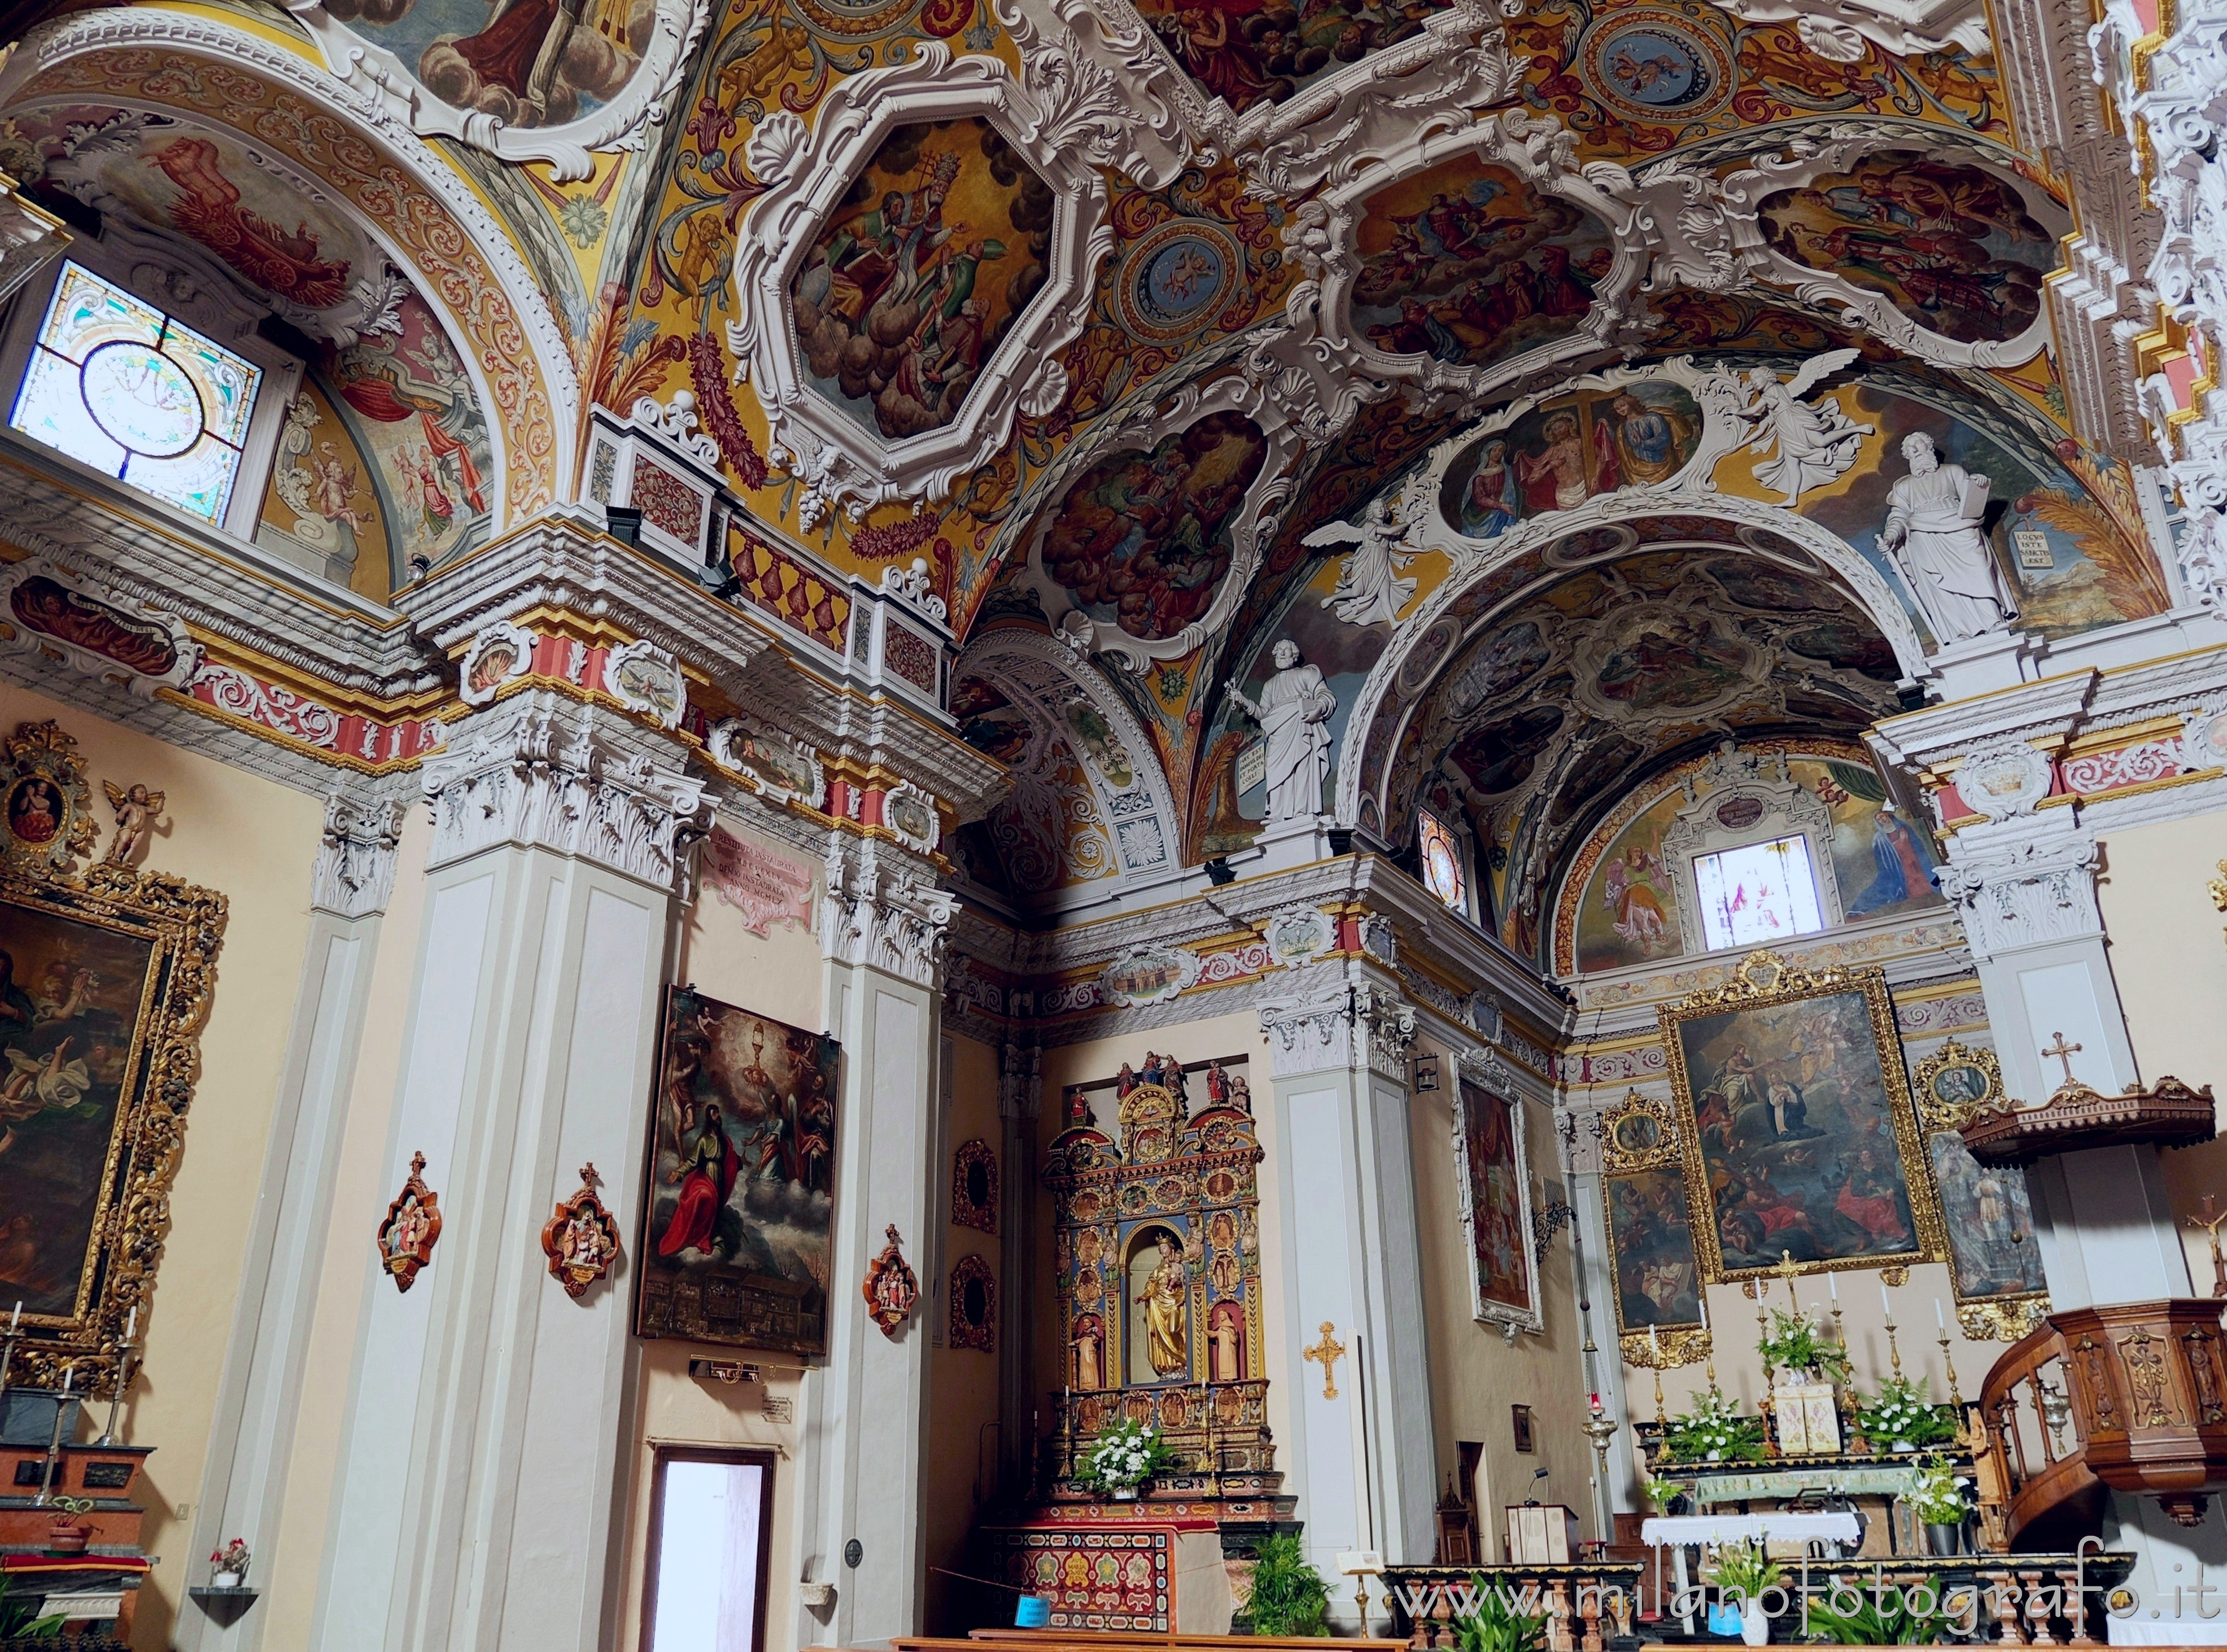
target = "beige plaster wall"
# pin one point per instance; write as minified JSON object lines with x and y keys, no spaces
{"x":962,"y":1382}
{"x":782,"y":975}
{"x":255,"y":842}
{"x":1477,"y":1375}
{"x":2169,"y":958}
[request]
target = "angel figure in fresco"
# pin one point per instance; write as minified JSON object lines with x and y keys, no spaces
{"x":37,"y":1084}
{"x":1631,"y":891}
{"x":1370,"y":586}
{"x":1167,"y":1344}
{"x":137,"y":809}
{"x":1816,"y":442}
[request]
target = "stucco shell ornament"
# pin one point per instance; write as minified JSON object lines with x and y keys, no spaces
{"x":841,"y":457}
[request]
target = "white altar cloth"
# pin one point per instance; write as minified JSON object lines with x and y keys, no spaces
{"x":1829,"y":1527}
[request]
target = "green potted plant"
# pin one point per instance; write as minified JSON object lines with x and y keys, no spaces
{"x":1715,"y":1432}
{"x":1289,"y":1596}
{"x":1496,"y":1626}
{"x":1938,"y":1497}
{"x":68,"y":1532}
{"x":1744,"y":1571}
{"x":1666,"y":1495}
{"x":1126,"y":1455}
{"x":1902,"y":1418}
{"x":1885,"y":1620}
{"x":1797,"y":1346}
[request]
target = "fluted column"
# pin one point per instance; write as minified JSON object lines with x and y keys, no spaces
{"x":861,"y":1450}
{"x":244,"y":1484}
{"x":479,"y":1471}
{"x":1337,"y":1060}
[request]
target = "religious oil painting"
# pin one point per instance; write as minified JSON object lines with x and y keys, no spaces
{"x":1651,"y":1242}
{"x":526,"y":62}
{"x":739,"y":1200}
{"x":1467,"y":263}
{"x":1249,"y":52}
{"x":1497,"y":1203}
{"x":1993,"y":1254}
{"x":1792,"y":1087}
{"x":1953,"y":247}
{"x":1142,"y":539}
{"x":934,"y":251}
{"x":1562,"y":453}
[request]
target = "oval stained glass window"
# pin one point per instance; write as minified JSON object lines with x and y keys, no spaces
{"x":142,"y":400}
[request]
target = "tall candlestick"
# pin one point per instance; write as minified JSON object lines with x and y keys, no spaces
{"x":1833,"y":1287}
{"x":1949,"y":1366}
{"x":54,"y":1440}
{"x":1886,"y":1305}
{"x":1939,"y":1322}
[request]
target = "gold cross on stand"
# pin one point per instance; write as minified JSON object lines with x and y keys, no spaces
{"x":2065,"y":1053}
{"x":1326,"y":1354}
{"x":1786,"y":1270}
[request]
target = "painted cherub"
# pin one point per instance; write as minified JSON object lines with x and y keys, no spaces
{"x":137,"y":810}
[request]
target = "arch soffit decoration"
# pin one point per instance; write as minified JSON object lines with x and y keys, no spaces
{"x":1382,"y":696}
{"x":1044,"y":680}
{"x":420,"y":212}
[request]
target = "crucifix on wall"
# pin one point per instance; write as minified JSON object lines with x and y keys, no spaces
{"x":1326,"y":1354}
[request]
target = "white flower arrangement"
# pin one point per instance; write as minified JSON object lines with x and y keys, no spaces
{"x":1127,"y":1454}
{"x":1938,"y":1495}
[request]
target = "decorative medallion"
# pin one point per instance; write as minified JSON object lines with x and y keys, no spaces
{"x":974,"y":1186}
{"x":1149,"y":975}
{"x":910,"y":813}
{"x":1175,"y":279}
{"x":580,"y":1240}
{"x":1641,"y":1134}
{"x":49,"y":812}
{"x":498,"y":654}
{"x":1298,"y":934}
{"x":1954,"y":1084}
{"x":93,"y":631}
{"x":891,"y":1287}
{"x":644,"y":678}
{"x":413,"y":1224}
{"x":1656,"y":65}
{"x":973,"y":1305}
{"x":2003,"y":778}
{"x":2204,"y":736}
{"x":785,"y":769}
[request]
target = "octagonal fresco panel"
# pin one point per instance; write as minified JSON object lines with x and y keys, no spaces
{"x":936,"y":249}
{"x":1951,"y":247}
{"x":1142,"y":539}
{"x":1468,"y":264}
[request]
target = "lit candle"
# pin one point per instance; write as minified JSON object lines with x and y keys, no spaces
{"x":69,"y":1375}
{"x":131,"y":1324}
{"x":1939,"y":1324}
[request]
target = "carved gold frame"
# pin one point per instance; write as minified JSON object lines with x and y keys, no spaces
{"x":184,"y":926}
{"x":1763,"y":980}
{"x":2009,"y":1317}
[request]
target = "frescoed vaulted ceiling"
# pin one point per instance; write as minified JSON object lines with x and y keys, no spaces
{"x":1153,"y":329}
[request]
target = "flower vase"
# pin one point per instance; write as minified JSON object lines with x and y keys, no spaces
{"x":1944,"y":1537}
{"x":67,"y":1536}
{"x":1903,"y":1448}
{"x":1125,"y":1494}
{"x":1755,"y":1624}
{"x":227,"y":1580}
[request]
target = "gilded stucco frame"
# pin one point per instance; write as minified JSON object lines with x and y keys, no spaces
{"x":1686,"y":1343}
{"x":1763,"y":980}
{"x":182,"y":926}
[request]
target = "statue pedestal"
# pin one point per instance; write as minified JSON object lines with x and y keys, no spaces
{"x":1292,"y":843}
{"x":1979,"y":665}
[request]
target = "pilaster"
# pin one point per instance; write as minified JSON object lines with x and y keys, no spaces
{"x":244,"y":1483}
{"x":1361,"y":1461}
{"x":485,"y":1399}
{"x":1020,"y":1100}
{"x":862,"y":1447}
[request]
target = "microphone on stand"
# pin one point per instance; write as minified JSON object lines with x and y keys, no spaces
{"x":1537,"y":1475}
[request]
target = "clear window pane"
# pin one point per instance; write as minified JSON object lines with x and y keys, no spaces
{"x":1757,"y":894}
{"x":116,"y":384}
{"x":706,"y":1564}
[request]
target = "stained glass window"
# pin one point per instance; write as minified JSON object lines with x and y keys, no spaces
{"x":1442,"y":861}
{"x":121,"y":386}
{"x":1761,"y":893}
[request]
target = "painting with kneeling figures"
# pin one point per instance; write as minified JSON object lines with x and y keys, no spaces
{"x":738,"y":1206}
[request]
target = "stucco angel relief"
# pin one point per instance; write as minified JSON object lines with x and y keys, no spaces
{"x":529,"y":79}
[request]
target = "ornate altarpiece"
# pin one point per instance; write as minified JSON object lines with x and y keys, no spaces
{"x":1180,"y":1192}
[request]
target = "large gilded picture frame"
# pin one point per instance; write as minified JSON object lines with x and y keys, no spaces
{"x":1654,"y":1280}
{"x":1492,"y":1159}
{"x":105,"y":978}
{"x":1789,"y":1087}
{"x":1995,"y":1259}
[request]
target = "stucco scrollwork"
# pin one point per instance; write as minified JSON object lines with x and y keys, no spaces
{"x":1054,"y":119}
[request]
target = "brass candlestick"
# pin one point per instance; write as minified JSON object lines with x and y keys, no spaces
{"x":1949,"y":1365}
{"x":54,"y":1440}
{"x":124,"y":1352}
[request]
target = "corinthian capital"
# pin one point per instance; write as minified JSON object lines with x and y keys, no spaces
{"x":2030,"y":887}
{"x":881,"y":911}
{"x":542,"y":772}
{"x":355,"y":873}
{"x":1338,"y":1023}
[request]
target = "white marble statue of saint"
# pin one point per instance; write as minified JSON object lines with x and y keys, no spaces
{"x":1932,"y":532}
{"x":1294,"y":711}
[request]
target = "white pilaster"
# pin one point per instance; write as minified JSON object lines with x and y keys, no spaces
{"x":861,"y":1456}
{"x":479,"y":1467}
{"x":1337,"y":1054}
{"x":259,"y":1400}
